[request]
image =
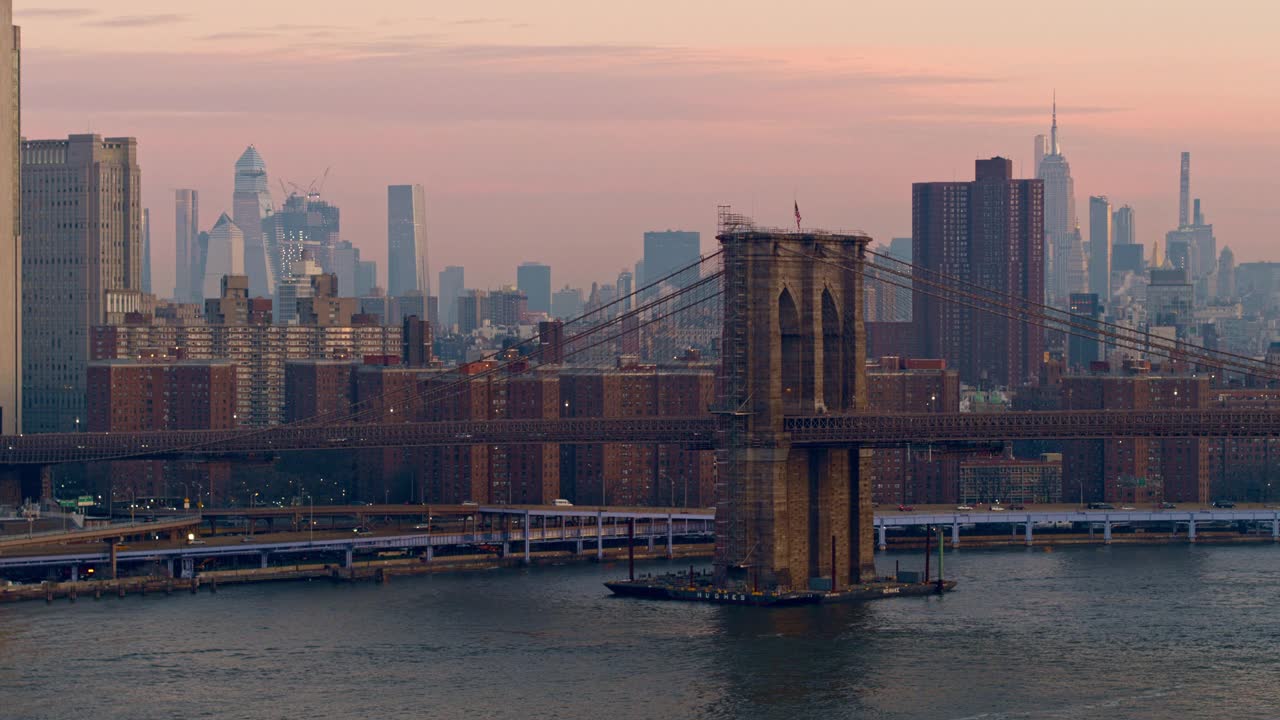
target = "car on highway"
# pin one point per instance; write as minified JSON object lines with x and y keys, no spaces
{"x":1167,"y":506}
{"x":1017,"y":506}
{"x":361,"y":530}
{"x":422,"y":526}
{"x":997,"y":508}
{"x":1127,"y":507}
{"x":906,"y":508}
{"x":964,"y":508}
{"x":1224,"y":504}
{"x":1101,"y":506}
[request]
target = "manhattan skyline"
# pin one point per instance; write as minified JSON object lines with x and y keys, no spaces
{"x":588,"y":126}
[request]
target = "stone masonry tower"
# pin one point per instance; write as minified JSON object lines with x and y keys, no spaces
{"x":793,"y":345}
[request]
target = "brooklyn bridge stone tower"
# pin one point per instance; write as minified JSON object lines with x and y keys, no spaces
{"x":791,"y":518}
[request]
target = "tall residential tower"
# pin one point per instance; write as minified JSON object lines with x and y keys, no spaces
{"x":989,"y":232}
{"x":1100,"y":248}
{"x":186,"y":233}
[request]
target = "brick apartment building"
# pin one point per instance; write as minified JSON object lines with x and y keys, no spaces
{"x":1135,"y":470}
{"x":916,"y":474}
{"x":126,"y":396}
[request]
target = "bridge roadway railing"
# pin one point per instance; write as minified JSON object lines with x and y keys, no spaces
{"x":898,"y":428}
{"x":52,"y":448}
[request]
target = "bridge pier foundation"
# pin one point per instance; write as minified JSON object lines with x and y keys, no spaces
{"x":527,"y":531}
{"x":346,"y":561}
{"x":431,"y":553}
{"x":883,"y":543}
{"x":1106,"y":532}
{"x":1028,"y":531}
{"x":599,"y":536}
{"x":955,"y":535}
{"x":1191,"y":530}
{"x":169,"y":563}
{"x":579,"y":549}
{"x":75,"y":571}
{"x":1275,"y":529}
{"x":262,"y":558}
{"x":671,"y":540}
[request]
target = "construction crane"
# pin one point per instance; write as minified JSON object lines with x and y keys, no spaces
{"x":311,"y":192}
{"x":323,"y":179}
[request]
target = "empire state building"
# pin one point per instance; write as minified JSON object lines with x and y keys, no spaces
{"x":1064,"y":251}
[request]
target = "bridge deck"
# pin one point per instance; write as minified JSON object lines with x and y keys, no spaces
{"x":696,"y":432}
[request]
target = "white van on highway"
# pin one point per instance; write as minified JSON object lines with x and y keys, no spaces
{"x":561,"y":502}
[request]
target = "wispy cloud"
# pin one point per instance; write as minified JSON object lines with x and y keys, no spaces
{"x":70,"y":12}
{"x":138,"y":21}
{"x":238,"y":35}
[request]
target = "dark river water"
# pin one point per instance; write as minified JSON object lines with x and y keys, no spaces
{"x":1097,"y":632}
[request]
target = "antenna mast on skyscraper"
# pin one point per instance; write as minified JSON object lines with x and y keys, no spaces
{"x":1053,"y":131}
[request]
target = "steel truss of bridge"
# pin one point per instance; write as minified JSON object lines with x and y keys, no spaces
{"x":864,"y":429}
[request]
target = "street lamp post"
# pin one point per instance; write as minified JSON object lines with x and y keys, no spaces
{"x":311,"y":519}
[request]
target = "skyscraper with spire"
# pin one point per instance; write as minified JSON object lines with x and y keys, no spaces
{"x":1060,"y":222}
{"x":250,"y":205}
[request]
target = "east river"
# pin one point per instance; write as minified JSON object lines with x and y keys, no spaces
{"x":1085,"y":632}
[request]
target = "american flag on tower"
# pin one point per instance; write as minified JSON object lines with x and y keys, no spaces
{"x":797,"y":204}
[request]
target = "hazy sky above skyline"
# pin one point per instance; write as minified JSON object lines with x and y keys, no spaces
{"x":561,"y":130}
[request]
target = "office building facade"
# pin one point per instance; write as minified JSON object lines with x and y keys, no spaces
{"x":534,"y":280}
{"x":452,"y":284}
{"x":250,"y":205}
{"x":1065,"y":261}
{"x":668,"y":251}
{"x":82,"y":239}
{"x":224,"y":255}
{"x":407,"y":266}
{"x":11,"y":266}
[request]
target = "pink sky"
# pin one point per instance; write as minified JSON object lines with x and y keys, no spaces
{"x":560,"y":131}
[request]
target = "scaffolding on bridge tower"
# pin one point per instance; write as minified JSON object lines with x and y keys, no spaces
{"x":731,"y":407}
